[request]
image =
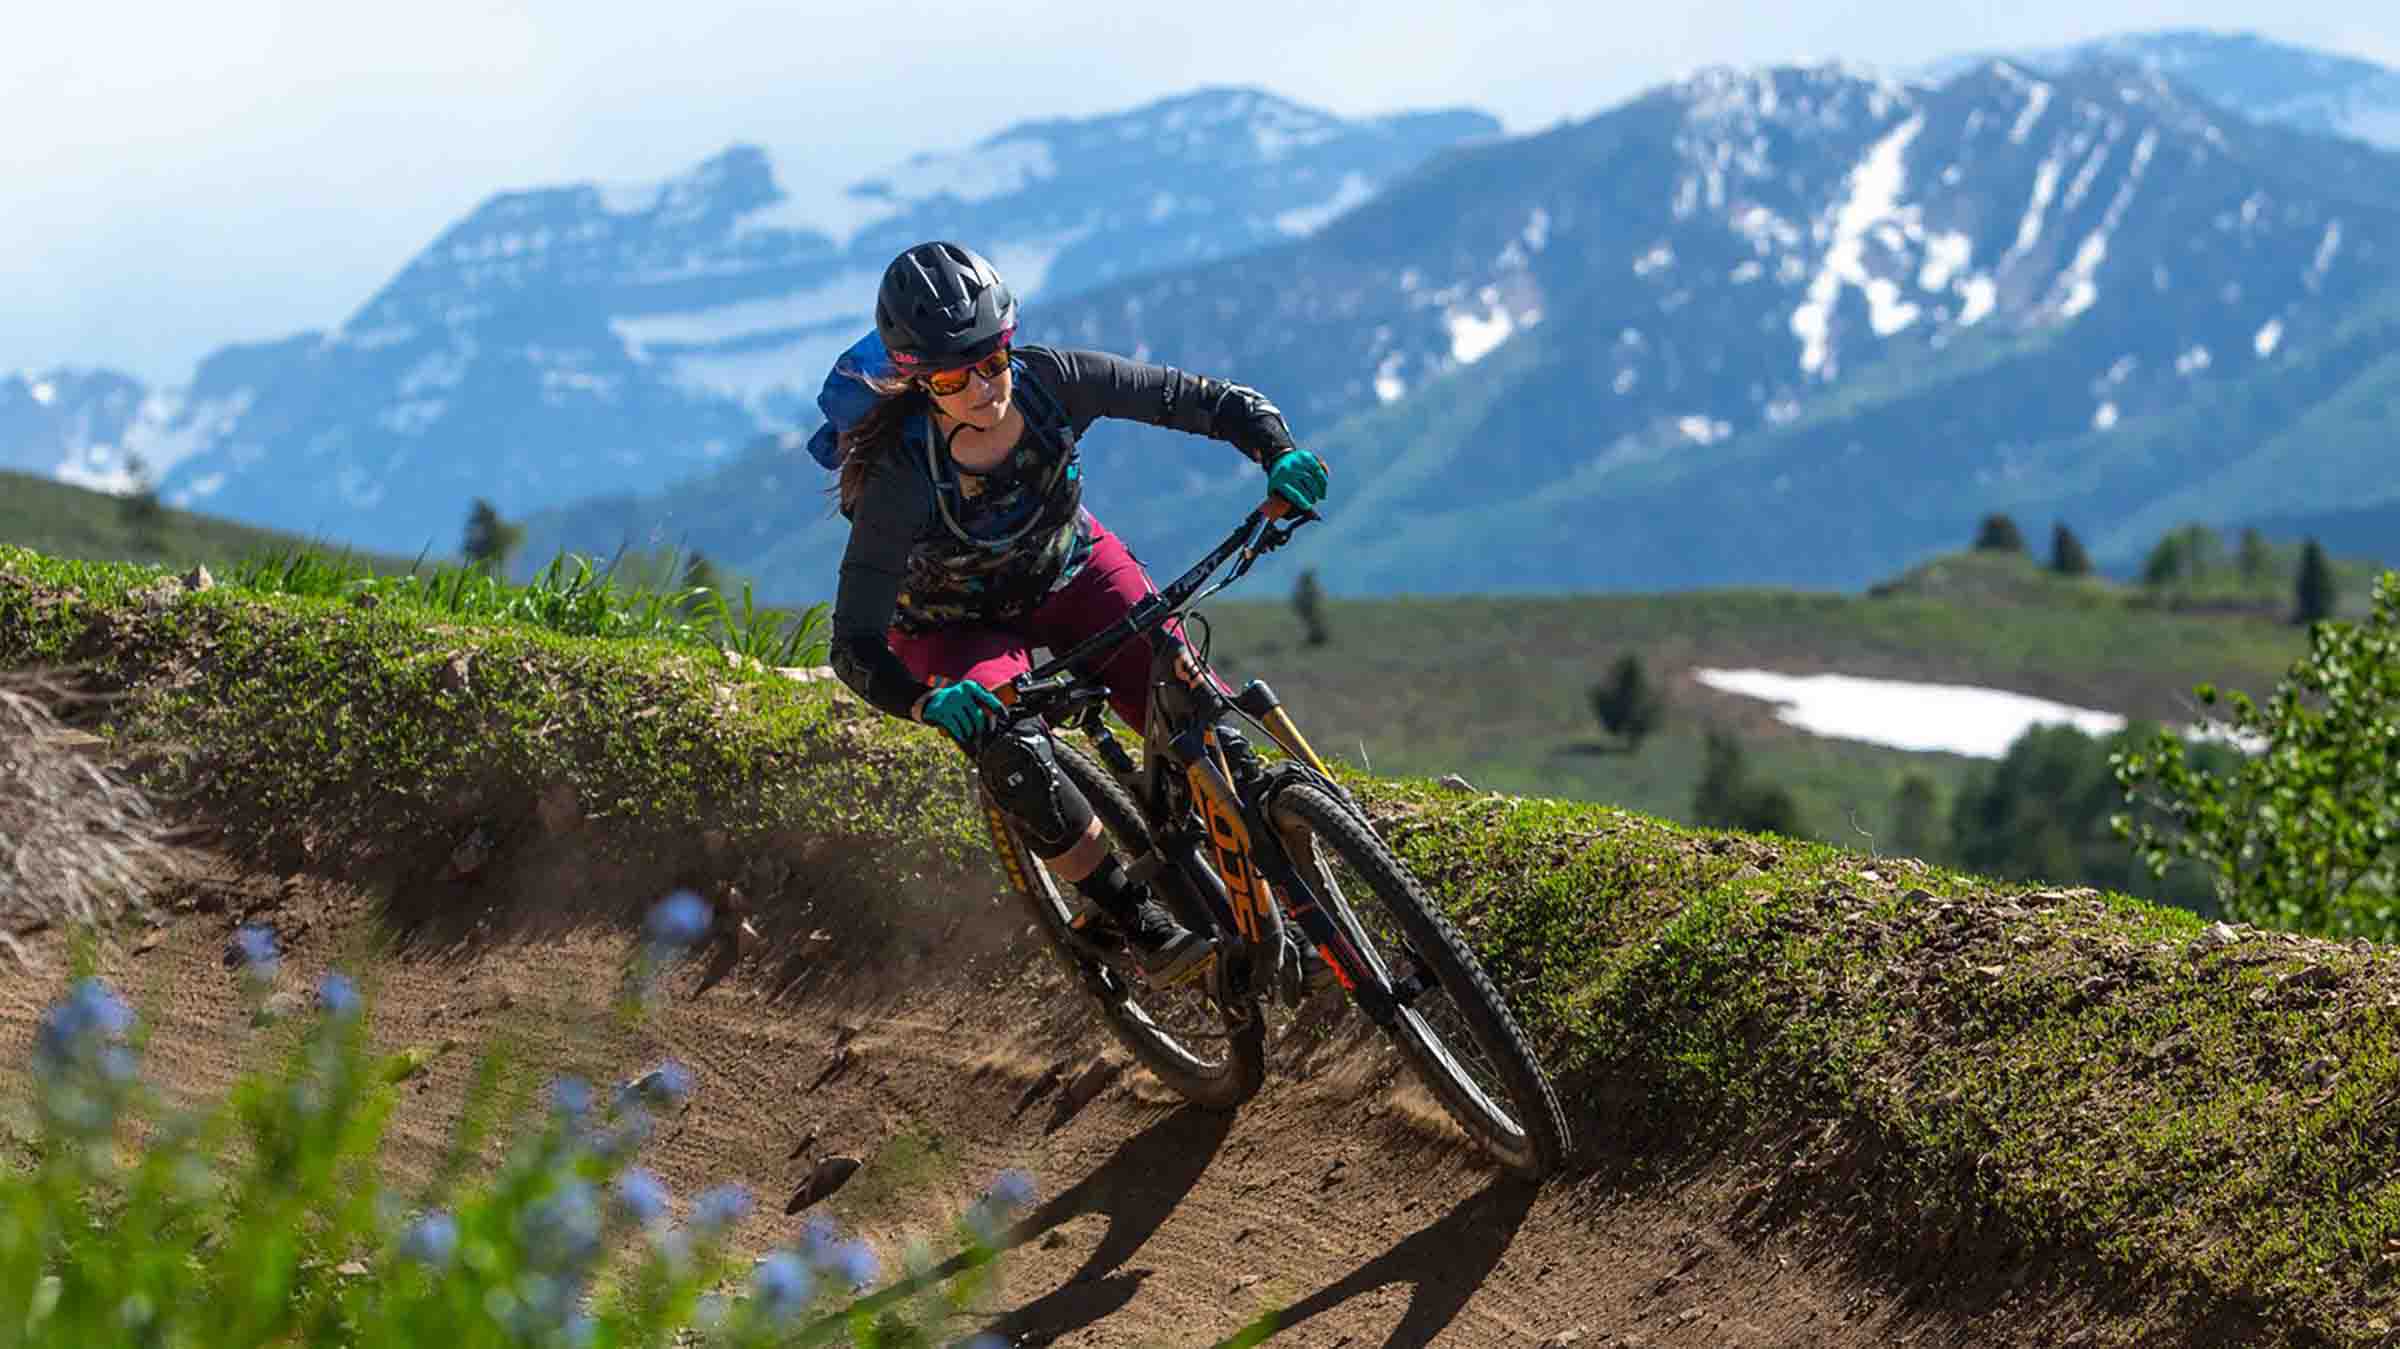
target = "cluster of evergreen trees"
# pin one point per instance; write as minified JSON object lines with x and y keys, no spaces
{"x":2189,"y":556}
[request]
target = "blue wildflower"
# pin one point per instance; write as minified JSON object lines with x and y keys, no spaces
{"x":820,"y":1239}
{"x":430,"y":1240}
{"x":562,"y":1231}
{"x":716,"y":1212}
{"x":669,"y":1084}
{"x":643,"y":1196}
{"x":1011,"y":1189}
{"x":782,"y":1285}
{"x":80,"y":1029}
{"x":252,"y":951}
{"x":570,"y":1098}
{"x":338,"y":996}
{"x":622,"y":1137}
{"x":856,"y":1261}
{"x":681,"y":919}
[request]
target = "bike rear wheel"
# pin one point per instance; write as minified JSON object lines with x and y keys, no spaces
{"x":1219,"y":1067}
{"x":1458,"y":1032}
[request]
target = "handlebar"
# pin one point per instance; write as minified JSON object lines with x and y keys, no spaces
{"x":1059,"y":686}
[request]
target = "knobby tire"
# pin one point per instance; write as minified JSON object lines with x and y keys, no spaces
{"x":1236,"y":1071}
{"x":1530,"y":1137}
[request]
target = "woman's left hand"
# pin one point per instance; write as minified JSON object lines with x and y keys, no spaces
{"x":1299,"y":478}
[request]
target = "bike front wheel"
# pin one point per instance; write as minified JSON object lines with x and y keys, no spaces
{"x":1207,"y":1055}
{"x":1456,"y":1029}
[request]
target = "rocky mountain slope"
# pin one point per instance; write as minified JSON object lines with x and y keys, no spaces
{"x":575,"y":339}
{"x":2271,"y":81}
{"x":1795,"y":324}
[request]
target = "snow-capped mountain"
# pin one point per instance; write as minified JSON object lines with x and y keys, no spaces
{"x":71,"y":423}
{"x":574,"y":340}
{"x":1799,"y":324}
{"x":2269,"y":81}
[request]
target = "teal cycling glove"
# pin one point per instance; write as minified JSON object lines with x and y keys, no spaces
{"x":965,"y":710}
{"x":1298,"y":477}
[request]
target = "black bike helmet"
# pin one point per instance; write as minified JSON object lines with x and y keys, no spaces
{"x":940,"y":305}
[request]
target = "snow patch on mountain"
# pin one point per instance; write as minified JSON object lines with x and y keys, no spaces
{"x":1354,"y":191}
{"x":1473,"y":336}
{"x":165,"y":431}
{"x":1875,"y":187}
{"x":847,"y":296}
{"x":2029,"y":228}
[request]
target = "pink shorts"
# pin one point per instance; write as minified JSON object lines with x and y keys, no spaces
{"x":1109,"y":585}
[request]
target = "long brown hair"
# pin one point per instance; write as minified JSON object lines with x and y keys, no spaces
{"x":876,"y":436}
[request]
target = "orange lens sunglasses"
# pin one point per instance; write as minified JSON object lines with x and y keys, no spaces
{"x":943,"y":383}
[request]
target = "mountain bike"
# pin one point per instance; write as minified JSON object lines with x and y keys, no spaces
{"x":1264,"y":856}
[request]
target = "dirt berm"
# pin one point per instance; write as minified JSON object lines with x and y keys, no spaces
{"x":1825,"y":1098}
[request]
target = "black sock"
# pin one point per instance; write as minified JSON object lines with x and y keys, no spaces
{"x":1109,"y":887}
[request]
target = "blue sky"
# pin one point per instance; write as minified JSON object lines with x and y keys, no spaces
{"x":184,"y":175}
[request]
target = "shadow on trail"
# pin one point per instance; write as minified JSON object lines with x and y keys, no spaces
{"x":1445,"y":1261}
{"x":1136,"y":1189}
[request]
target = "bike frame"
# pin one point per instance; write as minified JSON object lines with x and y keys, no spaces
{"x":1189,"y":790}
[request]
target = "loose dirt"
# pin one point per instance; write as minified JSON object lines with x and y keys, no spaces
{"x":1340,"y":1197}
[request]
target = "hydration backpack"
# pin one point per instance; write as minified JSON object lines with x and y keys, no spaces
{"x":845,"y":398}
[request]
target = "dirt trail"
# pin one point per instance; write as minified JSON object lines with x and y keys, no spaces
{"x":1339,"y":1195}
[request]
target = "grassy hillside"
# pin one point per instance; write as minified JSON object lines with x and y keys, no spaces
{"x":2059,"y":1086}
{"x":1495,"y":688}
{"x":62,"y":520}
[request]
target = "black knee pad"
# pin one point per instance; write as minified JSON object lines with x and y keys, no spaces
{"x":1020,"y":772}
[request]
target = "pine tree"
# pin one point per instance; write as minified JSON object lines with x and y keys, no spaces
{"x":1999,"y":534}
{"x":140,"y":506}
{"x":2203,"y":551}
{"x":2067,"y":557}
{"x":2314,"y":593}
{"x":2255,"y":558}
{"x":1308,"y":600}
{"x":2164,"y":566}
{"x":489,"y":540}
{"x":1626,"y":703}
{"x":1717,"y":797}
{"x":1916,"y":817}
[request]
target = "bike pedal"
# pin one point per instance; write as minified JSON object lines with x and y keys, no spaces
{"x":1204,"y":967}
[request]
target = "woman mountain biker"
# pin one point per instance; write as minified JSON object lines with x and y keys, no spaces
{"x":969,"y":546}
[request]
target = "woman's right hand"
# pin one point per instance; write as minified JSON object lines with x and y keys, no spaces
{"x":965,"y":710}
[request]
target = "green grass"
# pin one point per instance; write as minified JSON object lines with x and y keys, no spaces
{"x":1494,"y":688}
{"x":61,"y":520}
{"x":1923,"y":1060}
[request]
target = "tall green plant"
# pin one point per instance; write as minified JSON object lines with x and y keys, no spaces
{"x":2304,"y":832}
